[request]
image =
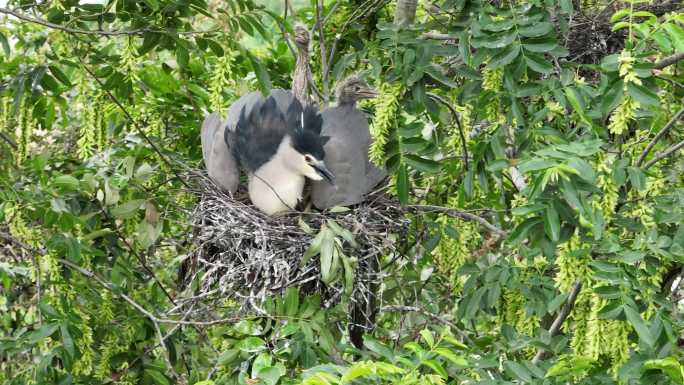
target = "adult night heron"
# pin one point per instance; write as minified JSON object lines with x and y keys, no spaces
{"x":279,"y":151}
{"x":219,"y":158}
{"x":347,"y":150}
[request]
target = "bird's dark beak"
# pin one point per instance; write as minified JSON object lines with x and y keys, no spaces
{"x":324,"y":172}
{"x":369,"y":93}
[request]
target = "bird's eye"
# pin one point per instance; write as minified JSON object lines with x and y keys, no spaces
{"x":357,"y":88}
{"x":308,"y":158}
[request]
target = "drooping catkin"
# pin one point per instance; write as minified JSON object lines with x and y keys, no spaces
{"x":221,"y":79}
{"x":386,"y":108}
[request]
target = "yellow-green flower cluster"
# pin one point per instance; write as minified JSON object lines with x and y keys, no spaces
{"x":386,"y":108}
{"x":492,"y":79}
{"x":221,"y":79}
{"x":623,"y":115}
{"x":555,"y":110}
{"x":626,"y":63}
{"x":572,"y":267}
{"x":84,"y":363}
{"x":92,"y":132}
{"x":129,"y":60}
{"x":24,"y":130}
{"x":608,"y":199}
{"x":608,"y":338}
{"x":452,"y":253}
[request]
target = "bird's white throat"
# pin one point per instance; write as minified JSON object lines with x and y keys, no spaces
{"x":277,"y":185}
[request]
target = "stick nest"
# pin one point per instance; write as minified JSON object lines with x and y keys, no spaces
{"x":244,"y":255}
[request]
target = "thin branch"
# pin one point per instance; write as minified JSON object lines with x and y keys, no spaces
{"x":58,"y":27}
{"x":669,"y":61}
{"x":664,"y":154}
{"x":8,"y":140}
{"x":415,"y":309}
{"x":464,"y":143}
{"x":321,"y":43}
{"x":438,"y":36}
{"x":459,"y":214}
{"x":662,"y":133}
{"x":135,"y":123}
{"x":558,"y":322}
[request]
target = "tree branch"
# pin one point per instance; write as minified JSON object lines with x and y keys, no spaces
{"x":664,"y":154}
{"x":141,"y":132}
{"x":464,"y":143}
{"x":564,"y":313}
{"x":668,"y":61}
{"x":460,"y":214}
{"x":58,"y":27}
{"x":660,"y":134}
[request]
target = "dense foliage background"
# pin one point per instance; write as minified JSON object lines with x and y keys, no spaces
{"x":537,"y":143}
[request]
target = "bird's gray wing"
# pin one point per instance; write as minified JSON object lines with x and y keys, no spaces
{"x":221,"y":164}
{"x":211,"y":123}
{"x":282,"y":97}
{"x":344,"y":157}
{"x":259,"y":133}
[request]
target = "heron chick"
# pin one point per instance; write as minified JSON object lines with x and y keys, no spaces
{"x":279,"y":151}
{"x":347,"y":150}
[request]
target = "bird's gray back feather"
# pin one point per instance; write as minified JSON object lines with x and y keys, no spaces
{"x":218,"y":159}
{"x":346,"y":156}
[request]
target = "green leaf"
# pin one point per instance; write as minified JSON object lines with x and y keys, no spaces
{"x":422,"y":164}
{"x":67,"y":182}
{"x":270,"y":375}
{"x":251,"y":344}
{"x":127,"y":210}
{"x":261,"y":73}
{"x":670,"y":366}
{"x":45,"y":331}
{"x":437,"y":73}
{"x":536,"y":29}
{"x":428,"y":337}
{"x":437,"y":367}
{"x":154,"y":4}
{"x":59,"y":75}
{"x":538,"y":63}
{"x":402,"y":184}
{"x":676,"y":35}
{"x":638,"y":323}
{"x":496,"y":41}
{"x":291,"y":301}
{"x":637,"y":178}
{"x":535,"y":164}
{"x":505,"y":56}
{"x":518,"y":371}
{"x":552,"y":223}
{"x":67,"y":341}
{"x":157,"y":377}
{"x":456,"y":359}
{"x":643,"y":95}
{"x":5,"y":44}
{"x":358,"y":370}
{"x":540,"y":45}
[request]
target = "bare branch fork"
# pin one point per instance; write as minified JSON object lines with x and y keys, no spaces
{"x":662,"y":133}
{"x":562,"y":316}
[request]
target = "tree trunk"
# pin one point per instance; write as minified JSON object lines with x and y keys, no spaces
{"x":405,"y":13}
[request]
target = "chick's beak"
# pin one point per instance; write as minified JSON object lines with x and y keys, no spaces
{"x":324,"y":172}
{"x":369,"y":93}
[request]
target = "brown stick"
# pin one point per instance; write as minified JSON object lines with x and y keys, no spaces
{"x":662,"y":133}
{"x":460,"y":214}
{"x":669,"y":61}
{"x":564,"y":313}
